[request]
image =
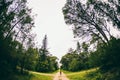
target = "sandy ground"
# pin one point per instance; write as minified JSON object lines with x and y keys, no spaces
{"x":60,"y":77}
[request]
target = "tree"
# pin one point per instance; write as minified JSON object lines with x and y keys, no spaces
{"x":44,"y":43}
{"x":31,"y":56}
{"x":85,"y":47}
{"x":86,"y":20}
{"x":72,"y":61}
{"x":46,"y":62}
{"x":109,"y":10}
{"x":78,"y":49}
{"x":96,"y":19}
{"x":74,"y":65}
{"x":44,"y":51}
{"x":110,"y":55}
{"x":53,"y":64}
{"x":76,"y":60}
{"x":15,"y":26}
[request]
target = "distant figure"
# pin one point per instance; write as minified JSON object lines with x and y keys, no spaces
{"x":60,"y":72}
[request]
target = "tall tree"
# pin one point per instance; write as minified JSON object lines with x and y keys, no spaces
{"x":78,"y":49}
{"x":44,"y":43}
{"x":15,"y":26}
{"x":86,"y":20}
{"x":46,"y":62}
{"x":44,"y":51}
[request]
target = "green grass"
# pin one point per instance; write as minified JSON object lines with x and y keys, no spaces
{"x":91,"y":74}
{"x":35,"y":76}
{"x":41,"y":76}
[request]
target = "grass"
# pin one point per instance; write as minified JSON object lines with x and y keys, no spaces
{"x":35,"y":76}
{"x":41,"y":76}
{"x":91,"y":74}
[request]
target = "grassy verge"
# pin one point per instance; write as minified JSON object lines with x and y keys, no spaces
{"x":41,"y":76}
{"x":35,"y":76}
{"x":91,"y":74}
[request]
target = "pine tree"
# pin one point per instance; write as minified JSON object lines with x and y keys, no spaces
{"x":78,"y":48}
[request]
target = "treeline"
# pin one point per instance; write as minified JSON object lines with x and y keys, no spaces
{"x":46,"y":62}
{"x":95,"y":21}
{"x":105,"y":57}
{"x":17,"y":50}
{"x":75,"y":60}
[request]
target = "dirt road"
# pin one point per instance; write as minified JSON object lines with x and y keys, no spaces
{"x":61,"y":76}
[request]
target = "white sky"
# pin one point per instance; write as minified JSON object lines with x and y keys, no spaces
{"x":50,"y":21}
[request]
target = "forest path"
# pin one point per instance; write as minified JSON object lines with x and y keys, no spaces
{"x":61,"y":76}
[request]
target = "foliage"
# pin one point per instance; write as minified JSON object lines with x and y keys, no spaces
{"x":74,"y":65}
{"x":31,"y":58}
{"x":95,"y":19}
{"x":110,"y":55}
{"x":17,"y":51}
{"x":85,"y":20}
{"x":92,"y":74}
{"x":67,"y":59}
{"x":107,"y":57}
{"x":109,"y":10}
{"x":32,"y":76}
{"x":46,"y":62}
{"x":75,"y":60}
{"x":15,"y":26}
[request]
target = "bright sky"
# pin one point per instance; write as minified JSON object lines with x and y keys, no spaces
{"x":50,"y":21}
